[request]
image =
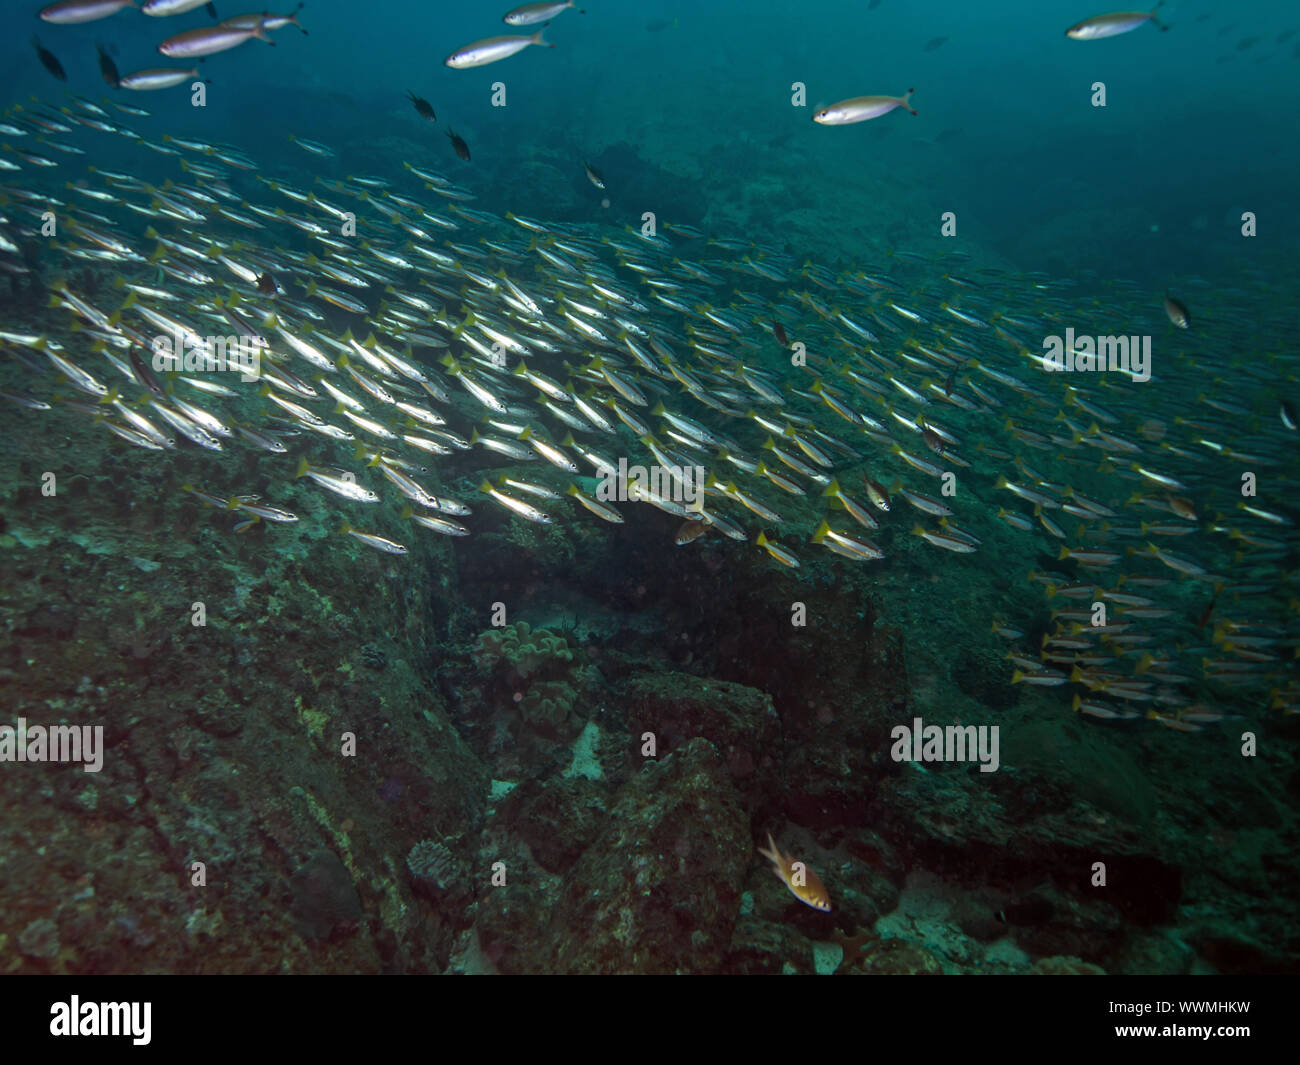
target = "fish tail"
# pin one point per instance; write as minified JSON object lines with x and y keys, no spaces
{"x":772,"y":854}
{"x":907,"y":96}
{"x":537,"y":37}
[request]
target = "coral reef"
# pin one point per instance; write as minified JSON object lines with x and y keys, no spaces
{"x":536,"y":671}
{"x":520,"y":652}
{"x":432,"y":863}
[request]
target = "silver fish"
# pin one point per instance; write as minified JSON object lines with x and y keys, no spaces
{"x":68,"y":12}
{"x":492,"y":50}
{"x":531,"y":14}
{"x":163,"y":8}
{"x":1112,"y":25}
{"x":208,"y":40}
{"x":861,"y":108}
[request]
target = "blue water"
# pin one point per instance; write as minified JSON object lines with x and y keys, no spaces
{"x":1196,"y":130}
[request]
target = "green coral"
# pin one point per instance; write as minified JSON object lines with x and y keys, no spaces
{"x":547,"y":707}
{"x":534,"y":670}
{"x":524,"y":651}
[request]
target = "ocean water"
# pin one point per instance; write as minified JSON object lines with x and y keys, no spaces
{"x":675,"y":482}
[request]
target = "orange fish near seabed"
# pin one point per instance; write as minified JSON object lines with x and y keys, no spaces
{"x":803,"y":883}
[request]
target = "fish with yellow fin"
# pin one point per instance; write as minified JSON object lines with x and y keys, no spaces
{"x":804,"y":884}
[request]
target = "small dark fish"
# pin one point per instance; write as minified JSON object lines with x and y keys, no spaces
{"x":778,"y":331}
{"x":108,"y":68}
{"x":934,"y":42}
{"x":211,"y":9}
{"x":49,"y":61}
{"x":876,"y":492}
{"x":266,"y":284}
{"x":594,"y":175}
{"x":947,"y":385}
{"x":1178,"y":313}
{"x":458,"y":142}
{"x":873,"y":5}
{"x":691,"y":530}
{"x":1204,"y":618}
{"x":1287,"y":413}
{"x":144,"y":375}
{"x":422,"y":106}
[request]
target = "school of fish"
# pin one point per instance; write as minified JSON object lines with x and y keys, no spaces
{"x":402,"y":336}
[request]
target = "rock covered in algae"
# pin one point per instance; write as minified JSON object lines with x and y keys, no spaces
{"x":655,"y":891}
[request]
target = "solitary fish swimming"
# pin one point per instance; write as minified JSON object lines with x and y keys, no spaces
{"x":266,"y":20}
{"x":861,"y":108}
{"x":1178,"y":313}
{"x":209,"y":40}
{"x":458,"y":142}
{"x":492,"y":50}
{"x":803,"y":883}
{"x":107,"y":68}
{"x":157,"y":78}
{"x":166,"y":8}
{"x":531,"y":14}
{"x":49,"y":60}
{"x":67,"y":12}
{"x":422,"y":106}
{"x":1112,"y":25}
{"x":315,"y":147}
